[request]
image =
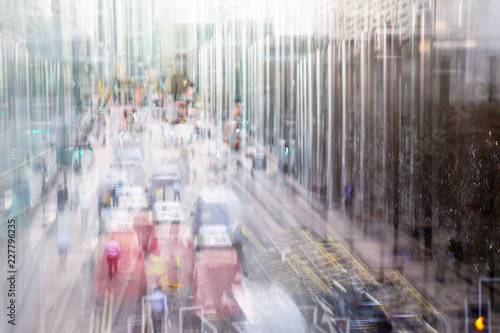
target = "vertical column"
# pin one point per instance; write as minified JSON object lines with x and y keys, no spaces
{"x":362,"y":131}
{"x":344,"y":116}
{"x":243,"y":85}
{"x":267,"y":83}
{"x":309,"y":115}
{"x":319,"y":123}
{"x":384,"y":111}
{"x":330,"y":91}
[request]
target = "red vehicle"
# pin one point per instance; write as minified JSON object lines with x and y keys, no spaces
{"x":146,"y":230}
{"x":218,"y":283}
{"x":130,"y":279}
{"x":177,"y":255}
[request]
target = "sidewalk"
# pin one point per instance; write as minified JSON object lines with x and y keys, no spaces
{"x":40,"y":281}
{"x":373,"y":242}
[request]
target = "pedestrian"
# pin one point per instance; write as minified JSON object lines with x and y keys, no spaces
{"x":114,"y":197}
{"x":59,"y":199}
{"x":64,"y":196}
{"x":158,"y":303}
{"x":239,"y":165}
{"x":63,"y":245}
{"x":238,"y":235}
{"x":177,"y":190}
{"x":85,"y":206}
{"x":195,"y":171}
{"x":349,"y":196}
{"x":113,"y":254}
{"x":75,"y":200}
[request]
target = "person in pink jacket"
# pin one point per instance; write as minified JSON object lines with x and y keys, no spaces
{"x":113,"y":253}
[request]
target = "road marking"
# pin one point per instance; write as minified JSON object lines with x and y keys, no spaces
{"x":104,"y":310}
{"x":92,"y":317}
{"x":110,"y":312}
{"x":255,"y":241}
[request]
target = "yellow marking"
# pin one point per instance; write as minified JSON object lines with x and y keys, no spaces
{"x":410,"y":289}
{"x":255,"y":241}
{"x":297,"y":266}
{"x":268,"y":219}
{"x":92,"y":317}
{"x":354,"y":261}
{"x":143,"y":321}
{"x":105,"y":310}
{"x":110,"y":313}
{"x":96,"y":323}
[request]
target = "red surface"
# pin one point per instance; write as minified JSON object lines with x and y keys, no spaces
{"x":217,"y":279}
{"x":177,"y":241}
{"x":130,"y":281}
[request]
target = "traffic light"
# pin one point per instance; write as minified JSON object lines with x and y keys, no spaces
{"x":286,"y":150}
{"x":479,"y":323}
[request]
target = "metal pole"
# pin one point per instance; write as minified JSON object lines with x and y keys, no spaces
{"x":344,"y":115}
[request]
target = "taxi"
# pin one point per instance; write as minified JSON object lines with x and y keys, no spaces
{"x":218,"y":285}
{"x":172,"y":262}
{"x":145,"y":228}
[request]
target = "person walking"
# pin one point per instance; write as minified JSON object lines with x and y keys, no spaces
{"x":64,"y":196}
{"x":349,"y":197}
{"x":238,"y":235}
{"x":60,"y":199}
{"x":113,"y":254}
{"x":75,"y":200}
{"x":177,"y":190}
{"x":63,"y":245}
{"x":195,"y":171}
{"x":85,"y":206}
{"x":158,"y":303}
{"x":239,"y":165}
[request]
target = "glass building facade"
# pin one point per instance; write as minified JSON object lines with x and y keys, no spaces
{"x":397,"y":97}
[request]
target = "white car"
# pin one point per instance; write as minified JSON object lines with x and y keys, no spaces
{"x":251,"y":151}
{"x":167,"y":212}
{"x":131,"y":198}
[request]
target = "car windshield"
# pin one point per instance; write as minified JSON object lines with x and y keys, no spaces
{"x":214,"y":214}
{"x":214,"y":230}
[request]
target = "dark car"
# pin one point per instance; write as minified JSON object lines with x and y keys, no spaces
{"x":351,"y":307}
{"x":259,"y":162}
{"x":217,"y":205}
{"x":164,"y":176}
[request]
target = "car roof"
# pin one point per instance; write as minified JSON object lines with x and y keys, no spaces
{"x":133,"y":153}
{"x":217,"y":257}
{"x":114,"y":174}
{"x":167,"y":168}
{"x":119,"y":235}
{"x":184,"y":232}
{"x":209,"y":194}
{"x":142,"y":217}
{"x":130,"y":191}
{"x":116,"y":220}
{"x":173,"y":204}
